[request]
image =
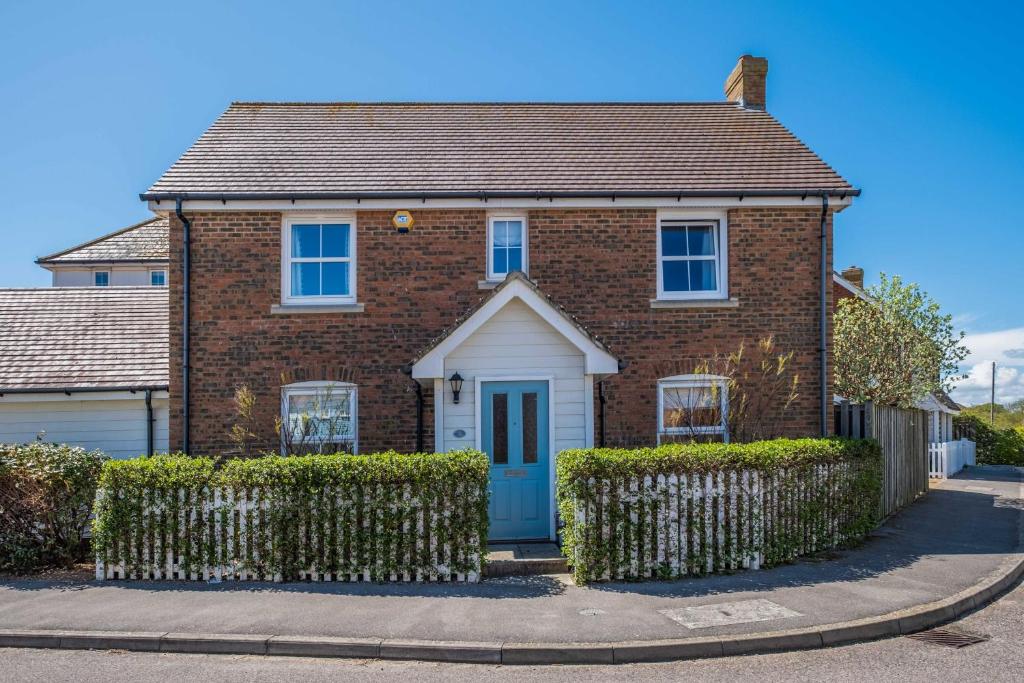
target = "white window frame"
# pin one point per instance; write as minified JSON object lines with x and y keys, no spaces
{"x":286,"y":258}
{"x":315,"y":388}
{"x":97,"y":272}
{"x":718,"y":221}
{"x":498,"y":277}
{"x":154,"y":272}
{"x":695,"y":382}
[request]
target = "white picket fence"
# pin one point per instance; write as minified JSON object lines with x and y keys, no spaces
{"x":210,"y":535}
{"x":678,"y":524}
{"x":947,"y":458}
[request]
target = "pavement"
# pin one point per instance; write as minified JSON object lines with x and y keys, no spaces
{"x":999,"y":658}
{"x":947,"y":554}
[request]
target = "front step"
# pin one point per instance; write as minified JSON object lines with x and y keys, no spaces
{"x":524,"y":559}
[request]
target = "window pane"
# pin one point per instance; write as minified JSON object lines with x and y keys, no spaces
{"x":515,"y":259}
{"x":101,"y":279}
{"x":702,"y":276}
{"x":335,"y":278}
{"x":305,"y":241}
{"x":675,"y":276}
{"x":324,"y":416}
{"x":701,"y":241}
{"x":500,"y":234}
{"x":673,"y":241}
{"x":500,"y":264}
{"x":515,"y":233}
{"x":499,"y":428}
{"x":305,"y":279}
{"x":158,"y":278}
{"x":689,"y":407}
{"x":529,"y":428}
{"x":335,"y":240}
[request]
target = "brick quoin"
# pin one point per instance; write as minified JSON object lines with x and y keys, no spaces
{"x":599,"y":264}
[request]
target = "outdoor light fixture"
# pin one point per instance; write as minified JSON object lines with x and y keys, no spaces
{"x":456,"y":382}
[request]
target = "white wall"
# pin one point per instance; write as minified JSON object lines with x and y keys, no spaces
{"x":115,"y":426}
{"x":119,"y":277}
{"x":516,"y":341}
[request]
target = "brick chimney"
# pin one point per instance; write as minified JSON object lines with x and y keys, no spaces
{"x":746,"y":84}
{"x":854,"y":275}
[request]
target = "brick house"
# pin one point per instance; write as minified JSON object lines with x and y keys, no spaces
{"x":563,"y":266}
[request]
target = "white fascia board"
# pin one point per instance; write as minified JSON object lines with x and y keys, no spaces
{"x":48,"y":397}
{"x":850,"y":287}
{"x":413,"y":203}
{"x":597,"y":361}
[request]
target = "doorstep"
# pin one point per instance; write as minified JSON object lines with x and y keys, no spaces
{"x":524,"y":559}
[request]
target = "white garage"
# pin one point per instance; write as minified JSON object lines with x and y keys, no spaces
{"x":85,"y":366}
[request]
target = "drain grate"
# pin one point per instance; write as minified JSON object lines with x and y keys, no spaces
{"x":948,"y":638}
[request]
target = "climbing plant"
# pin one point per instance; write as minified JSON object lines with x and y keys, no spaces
{"x":386,"y":516}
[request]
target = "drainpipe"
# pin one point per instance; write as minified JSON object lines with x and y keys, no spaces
{"x":823,"y":349}
{"x":601,"y":401}
{"x":186,"y":277}
{"x":149,"y":422}
{"x":407,"y":370}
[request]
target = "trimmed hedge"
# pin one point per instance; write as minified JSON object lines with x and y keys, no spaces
{"x":995,"y":446}
{"x":46,"y":491}
{"x":385,"y":516}
{"x":691,"y":509}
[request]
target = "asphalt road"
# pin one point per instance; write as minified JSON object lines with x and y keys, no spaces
{"x":1001,"y":658}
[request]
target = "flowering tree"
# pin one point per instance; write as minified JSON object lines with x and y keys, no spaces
{"x":896,"y":348}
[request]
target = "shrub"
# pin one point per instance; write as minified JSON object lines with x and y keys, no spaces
{"x":682,"y":509}
{"x":995,"y":446}
{"x":294,"y":517}
{"x":46,"y":492}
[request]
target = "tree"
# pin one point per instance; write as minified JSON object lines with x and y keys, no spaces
{"x":896,"y":348}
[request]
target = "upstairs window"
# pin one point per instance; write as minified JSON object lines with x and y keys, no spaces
{"x":506,"y":246}
{"x":101,"y":278}
{"x":319,"y":265}
{"x":158,"y":278}
{"x":690,"y":264}
{"x":693,"y":406}
{"x":318,"y":417}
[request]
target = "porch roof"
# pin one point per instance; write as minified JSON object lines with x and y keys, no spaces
{"x":598,"y":360}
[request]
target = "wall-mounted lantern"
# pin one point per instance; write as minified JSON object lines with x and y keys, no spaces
{"x":456,"y":382}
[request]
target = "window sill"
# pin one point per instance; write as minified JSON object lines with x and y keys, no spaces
{"x":301,"y":309}
{"x":695,"y":303}
{"x":488,"y":284}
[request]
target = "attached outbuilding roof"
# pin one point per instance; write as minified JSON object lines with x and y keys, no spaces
{"x":597,"y":359}
{"x":83,"y":338}
{"x":145,"y":242}
{"x":308,"y":150}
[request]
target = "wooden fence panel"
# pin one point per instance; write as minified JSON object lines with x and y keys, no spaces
{"x":903,"y":436}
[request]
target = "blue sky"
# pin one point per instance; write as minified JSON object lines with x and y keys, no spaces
{"x":914,"y":106}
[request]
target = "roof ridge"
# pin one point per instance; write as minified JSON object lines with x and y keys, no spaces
{"x":83,"y":245}
{"x":438,"y":103}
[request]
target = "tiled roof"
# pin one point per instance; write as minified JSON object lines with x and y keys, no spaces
{"x":143,"y":242}
{"x":277,"y":149}
{"x":83,"y":337}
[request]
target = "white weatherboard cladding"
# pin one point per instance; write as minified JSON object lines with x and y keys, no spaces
{"x":516,"y":342}
{"x":119,"y":277}
{"x":116,"y":427}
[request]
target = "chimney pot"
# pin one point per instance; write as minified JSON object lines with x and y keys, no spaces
{"x":854,"y":275}
{"x":746,"y":84}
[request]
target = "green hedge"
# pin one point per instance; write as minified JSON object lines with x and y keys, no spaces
{"x":379,"y":517}
{"x":690,"y":509}
{"x":995,"y":446}
{"x":46,"y":491}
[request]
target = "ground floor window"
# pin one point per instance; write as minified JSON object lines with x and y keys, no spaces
{"x":693,"y":406}
{"x":318,"y":417}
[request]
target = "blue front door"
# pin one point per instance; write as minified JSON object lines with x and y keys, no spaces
{"x":514,"y":434}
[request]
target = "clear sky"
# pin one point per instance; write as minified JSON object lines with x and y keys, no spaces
{"x":914,"y":104}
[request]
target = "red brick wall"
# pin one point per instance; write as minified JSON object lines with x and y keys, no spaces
{"x":597,"y":263}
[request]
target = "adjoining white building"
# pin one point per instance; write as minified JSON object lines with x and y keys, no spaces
{"x":86,"y":366}
{"x":135,"y":256}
